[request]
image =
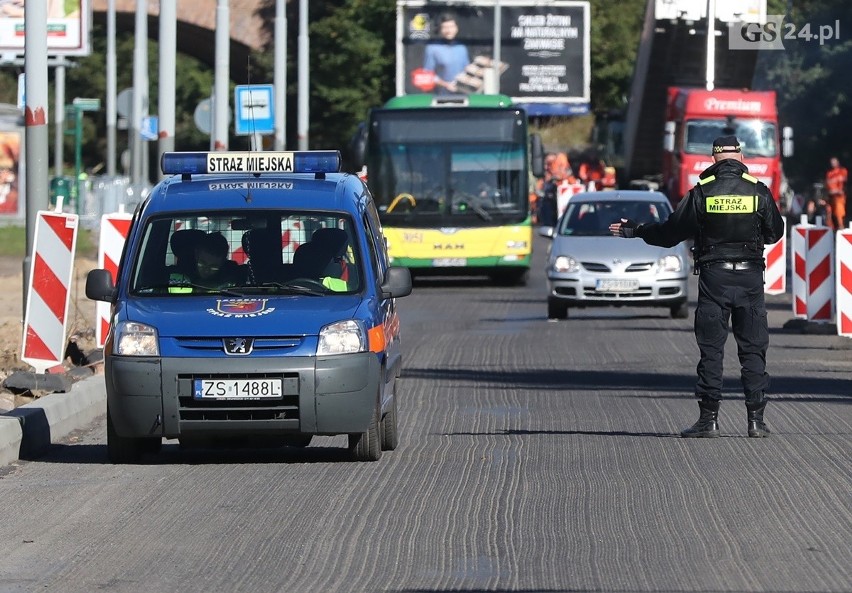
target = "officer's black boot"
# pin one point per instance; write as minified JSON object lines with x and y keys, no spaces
{"x":708,"y":423}
{"x":756,"y":426}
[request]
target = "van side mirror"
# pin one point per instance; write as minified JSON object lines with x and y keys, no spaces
{"x":99,"y":286}
{"x":397,"y":283}
{"x":787,"y":143}
{"x":536,"y":156}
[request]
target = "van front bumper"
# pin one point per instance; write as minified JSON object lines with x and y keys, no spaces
{"x":330,"y":395}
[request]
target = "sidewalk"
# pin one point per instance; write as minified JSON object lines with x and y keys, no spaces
{"x":27,"y":431}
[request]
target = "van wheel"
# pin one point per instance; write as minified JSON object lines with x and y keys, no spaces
{"x":680,"y":311}
{"x":367,"y":446}
{"x":390,"y":430}
{"x":124,"y":449}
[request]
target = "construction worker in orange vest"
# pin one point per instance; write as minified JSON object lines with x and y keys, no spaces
{"x":835,"y":185}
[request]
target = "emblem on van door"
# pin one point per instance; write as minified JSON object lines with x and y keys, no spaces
{"x":238,"y":346}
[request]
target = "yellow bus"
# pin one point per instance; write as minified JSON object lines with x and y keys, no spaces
{"x":450,"y":176}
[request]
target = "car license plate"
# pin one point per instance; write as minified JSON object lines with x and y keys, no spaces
{"x":237,"y":389}
{"x":616,"y":285}
{"x":449,"y":262}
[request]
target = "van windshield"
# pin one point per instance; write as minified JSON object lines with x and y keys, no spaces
{"x":231,"y":253}
{"x":757,"y":137}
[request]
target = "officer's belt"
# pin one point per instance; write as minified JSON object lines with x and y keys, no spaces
{"x":736,"y":265}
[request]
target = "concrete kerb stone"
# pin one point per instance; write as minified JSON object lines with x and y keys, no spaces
{"x":27,"y":431}
{"x":11,"y":436}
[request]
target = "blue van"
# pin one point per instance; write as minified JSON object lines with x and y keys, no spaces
{"x":253,"y":301}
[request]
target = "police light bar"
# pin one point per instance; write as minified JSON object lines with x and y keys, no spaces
{"x":305,"y":161}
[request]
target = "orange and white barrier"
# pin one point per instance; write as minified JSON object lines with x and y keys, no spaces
{"x":843,"y":258}
{"x":48,"y":291}
{"x":819,"y":272}
{"x":799,"y":277}
{"x":114,"y":229}
{"x":776,"y":265}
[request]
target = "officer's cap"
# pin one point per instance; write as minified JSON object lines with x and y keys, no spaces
{"x":726,"y":144}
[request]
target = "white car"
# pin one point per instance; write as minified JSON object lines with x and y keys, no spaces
{"x":587,"y":266}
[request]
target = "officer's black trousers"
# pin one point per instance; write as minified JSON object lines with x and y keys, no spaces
{"x":736,"y":295}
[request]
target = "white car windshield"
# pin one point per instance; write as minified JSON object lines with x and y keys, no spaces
{"x":592,"y":219}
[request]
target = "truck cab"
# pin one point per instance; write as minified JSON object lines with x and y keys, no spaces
{"x":695,"y":117}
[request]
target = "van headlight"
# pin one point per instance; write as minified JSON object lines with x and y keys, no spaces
{"x":135,"y":339}
{"x":669,"y":263}
{"x":342,"y":337}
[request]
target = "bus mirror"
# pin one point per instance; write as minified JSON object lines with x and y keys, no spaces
{"x":669,"y":136}
{"x":787,"y":144}
{"x":358,"y":146}
{"x":536,"y":156}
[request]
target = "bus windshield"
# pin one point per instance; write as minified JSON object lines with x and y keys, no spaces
{"x":757,"y":137}
{"x":443,"y":168}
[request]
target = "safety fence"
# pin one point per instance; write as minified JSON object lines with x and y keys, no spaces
{"x":821,"y":273}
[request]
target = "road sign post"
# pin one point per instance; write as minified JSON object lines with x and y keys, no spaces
{"x":75,"y":110}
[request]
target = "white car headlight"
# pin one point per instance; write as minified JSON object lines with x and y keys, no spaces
{"x":342,"y":337}
{"x":565,"y":263}
{"x":669,"y":263}
{"x":135,"y":339}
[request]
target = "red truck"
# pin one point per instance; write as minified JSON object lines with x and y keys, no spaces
{"x":694,"y":117}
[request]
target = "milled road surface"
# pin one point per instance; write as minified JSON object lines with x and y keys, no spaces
{"x":535,"y":456}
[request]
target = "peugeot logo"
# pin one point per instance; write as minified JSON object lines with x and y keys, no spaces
{"x":616,"y":261}
{"x":238,"y":346}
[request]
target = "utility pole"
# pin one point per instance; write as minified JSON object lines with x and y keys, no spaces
{"x":168,"y":56}
{"x":221,"y":76}
{"x":304,"y":64}
{"x":280,"y":74}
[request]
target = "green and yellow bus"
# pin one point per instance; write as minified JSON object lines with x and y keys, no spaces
{"x":450,"y":176}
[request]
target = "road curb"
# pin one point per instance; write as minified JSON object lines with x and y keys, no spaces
{"x":29,"y":430}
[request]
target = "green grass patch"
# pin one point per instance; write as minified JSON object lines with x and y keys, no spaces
{"x":13,"y":242}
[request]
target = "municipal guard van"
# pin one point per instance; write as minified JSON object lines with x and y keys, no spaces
{"x":254,"y":301}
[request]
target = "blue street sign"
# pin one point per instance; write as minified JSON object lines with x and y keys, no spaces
{"x":255,"y":109}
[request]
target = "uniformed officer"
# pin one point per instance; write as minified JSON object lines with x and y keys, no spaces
{"x":731,"y":216}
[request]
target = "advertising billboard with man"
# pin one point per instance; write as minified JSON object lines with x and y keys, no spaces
{"x":542,"y":54}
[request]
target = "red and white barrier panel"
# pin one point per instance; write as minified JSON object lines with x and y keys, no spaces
{"x":798,"y":247}
{"x":776,"y":265}
{"x":48,"y":291}
{"x":564,"y":192}
{"x":114,"y":229}
{"x":819,"y":272}
{"x":843,"y":257}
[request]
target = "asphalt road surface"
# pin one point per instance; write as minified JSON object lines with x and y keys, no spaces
{"x":535,"y":456}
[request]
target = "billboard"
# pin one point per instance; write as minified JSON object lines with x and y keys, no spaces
{"x":540,"y":56}
{"x":68,"y":27}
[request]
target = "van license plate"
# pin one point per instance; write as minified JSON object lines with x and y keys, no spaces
{"x":616,"y":285}
{"x":237,"y":389}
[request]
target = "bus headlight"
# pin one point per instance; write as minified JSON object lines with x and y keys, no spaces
{"x":135,"y":339}
{"x":516,"y":245}
{"x":342,"y":337}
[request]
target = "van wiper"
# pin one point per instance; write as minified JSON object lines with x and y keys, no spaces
{"x":187,"y":288}
{"x":294,"y":289}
